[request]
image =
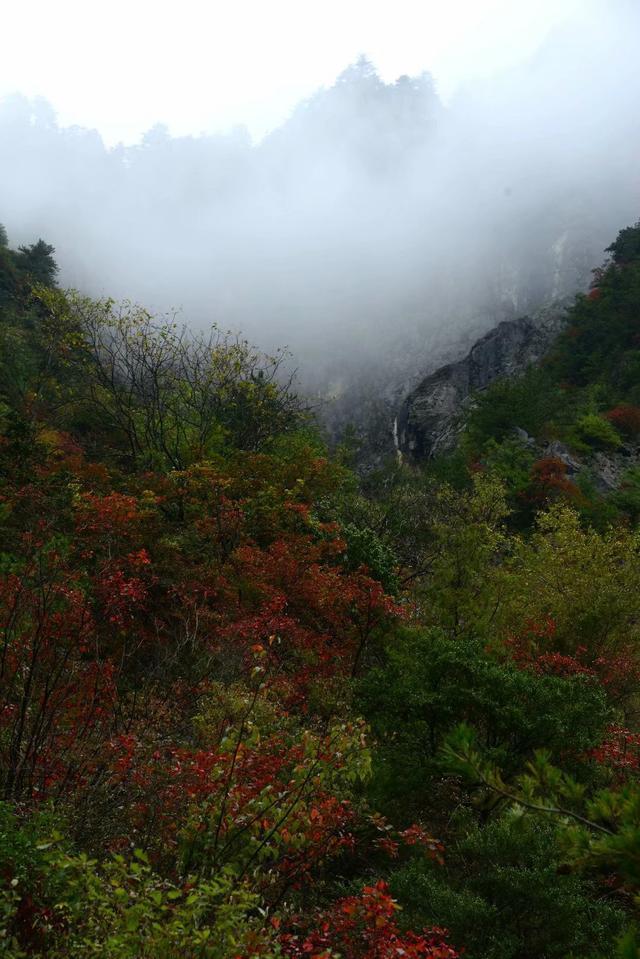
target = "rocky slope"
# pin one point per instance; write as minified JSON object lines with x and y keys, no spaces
{"x":430,"y":416}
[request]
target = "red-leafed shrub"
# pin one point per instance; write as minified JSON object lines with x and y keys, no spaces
{"x":549,"y":481}
{"x":626,"y":419}
{"x":364,"y":927}
{"x":619,"y":751}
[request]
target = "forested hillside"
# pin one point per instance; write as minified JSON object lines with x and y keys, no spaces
{"x":252,"y":705}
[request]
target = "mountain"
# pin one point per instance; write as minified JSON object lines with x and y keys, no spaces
{"x":256,"y":705}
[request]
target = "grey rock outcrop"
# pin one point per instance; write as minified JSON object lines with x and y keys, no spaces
{"x":607,"y":470}
{"x":561,"y":452}
{"x":430,"y":417}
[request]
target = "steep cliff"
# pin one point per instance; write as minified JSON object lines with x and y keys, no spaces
{"x":430,"y":416}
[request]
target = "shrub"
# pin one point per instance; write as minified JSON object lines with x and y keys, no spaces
{"x":505,"y":896}
{"x":597,"y":431}
{"x":625,"y":418}
{"x":549,"y":481}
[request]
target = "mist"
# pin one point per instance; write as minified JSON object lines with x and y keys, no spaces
{"x":377,"y":229}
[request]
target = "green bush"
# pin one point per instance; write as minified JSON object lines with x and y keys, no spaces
{"x":598,"y":432}
{"x":430,"y":683}
{"x":63,"y":905}
{"x":503,"y":894}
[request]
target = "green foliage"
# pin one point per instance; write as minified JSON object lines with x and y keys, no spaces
{"x":628,"y":946}
{"x":465,"y":534}
{"x":195,"y":613}
{"x":430,"y":683}
{"x":596,"y":510}
{"x":596,"y":431}
{"x":626,"y":247}
{"x":598,"y":829}
{"x":600,"y":345}
{"x":504,"y":895}
{"x":528,"y":402}
{"x":627,"y":496}
{"x":552,"y":575}
{"x":511,"y":461}
{"x":58,"y":903}
{"x":586,"y":393}
{"x":143,"y":387}
{"x":37,"y":262}
{"x":12,"y":284}
{"x":366,"y":548}
{"x":451,"y":469}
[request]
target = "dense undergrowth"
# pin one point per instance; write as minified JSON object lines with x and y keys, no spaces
{"x":252,"y":706}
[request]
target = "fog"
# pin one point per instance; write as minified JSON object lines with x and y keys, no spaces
{"x":377,"y":228}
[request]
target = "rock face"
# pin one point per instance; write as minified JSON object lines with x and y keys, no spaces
{"x":429,"y":418}
{"x":605,"y":468}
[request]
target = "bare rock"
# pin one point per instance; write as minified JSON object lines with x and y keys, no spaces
{"x":429,"y":419}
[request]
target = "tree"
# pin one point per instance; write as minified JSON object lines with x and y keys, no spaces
{"x":626,"y":246}
{"x":175,"y":397}
{"x":37,"y":261}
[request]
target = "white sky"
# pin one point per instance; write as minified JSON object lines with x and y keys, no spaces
{"x":196,"y":65}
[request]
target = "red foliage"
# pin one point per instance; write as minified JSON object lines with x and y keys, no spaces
{"x":240,"y":784}
{"x":532,"y":649}
{"x":363,"y":927}
{"x":619,"y":673}
{"x":620,"y":751}
{"x":531,"y":635}
{"x":114,"y":514}
{"x":138,"y":622}
{"x":528,"y":651}
{"x":549,"y":481}
{"x":626,"y":419}
{"x":57,"y":697}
